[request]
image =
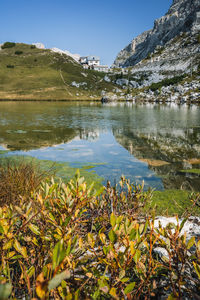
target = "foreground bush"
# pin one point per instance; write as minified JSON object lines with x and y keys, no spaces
{"x":18,"y":180}
{"x":72,"y":242}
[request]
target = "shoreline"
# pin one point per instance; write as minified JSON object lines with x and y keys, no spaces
{"x":99,"y":100}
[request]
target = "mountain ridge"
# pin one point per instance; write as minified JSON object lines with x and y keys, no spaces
{"x":181,"y":17}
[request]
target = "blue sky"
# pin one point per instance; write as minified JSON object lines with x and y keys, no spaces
{"x":87,"y":27}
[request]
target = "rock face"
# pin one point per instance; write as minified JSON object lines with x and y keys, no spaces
{"x":183,"y":16}
{"x":135,"y":46}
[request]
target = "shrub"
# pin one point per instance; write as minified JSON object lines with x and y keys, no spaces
{"x":18,"y":180}
{"x":8,"y":45}
{"x":10,"y":66}
{"x":166,"y":82}
{"x":18,"y":52}
{"x":160,"y":50}
{"x":198,"y":38}
{"x":72,"y":242}
{"x":33,"y":47}
{"x":148,"y":56}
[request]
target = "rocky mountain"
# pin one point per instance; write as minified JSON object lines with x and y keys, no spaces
{"x":169,"y":45}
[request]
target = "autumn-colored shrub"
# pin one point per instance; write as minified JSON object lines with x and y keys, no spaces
{"x":73,"y":242}
{"x":18,"y":180}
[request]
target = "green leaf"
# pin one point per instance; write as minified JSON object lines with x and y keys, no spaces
{"x":125,"y":279}
{"x":34,"y":229}
{"x":68,"y":248}
{"x":145,"y":227}
{"x":191,"y":242}
{"x":91,"y":240}
{"x":129,"y":288}
{"x":112,"y":220}
{"x":31,"y":271}
{"x":56,"y":280}
{"x":141,"y":228}
{"x":8,"y":245}
{"x":198,"y":245}
{"x":5,"y":290}
{"x":122,"y":274}
{"x":46,"y":189}
{"x":96,"y":294}
{"x":51,"y":216}
{"x":77,"y":294}
{"x":171,"y":297}
{"x":133,"y":234}
{"x":17,"y":246}
{"x":58,"y":254}
{"x":112,"y":236}
{"x":67,"y":221}
{"x":105,"y":250}
{"x":80,"y":180}
{"x":137,"y":255}
{"x":197,"y":269}
{"x":1,"y":229}
{"x":16,"y":257}
{"x":77,"y":174}
{"x":182,"y":224}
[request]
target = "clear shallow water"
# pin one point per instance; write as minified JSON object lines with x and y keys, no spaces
{"x":143,"y":142}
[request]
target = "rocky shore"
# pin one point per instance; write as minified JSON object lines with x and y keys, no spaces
{"x":186,"y":90}
{"x":189,"y":92}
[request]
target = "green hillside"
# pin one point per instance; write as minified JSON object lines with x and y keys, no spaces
{"x":28,"y":73}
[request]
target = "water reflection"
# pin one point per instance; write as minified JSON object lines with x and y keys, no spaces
{"x":149,"y":142}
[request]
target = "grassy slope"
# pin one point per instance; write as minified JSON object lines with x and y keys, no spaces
{"x":44,"y":75}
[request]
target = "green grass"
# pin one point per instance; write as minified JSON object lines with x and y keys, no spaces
{"x":172,"y":202}
{"x":192,"y":171}
{"x":40,"y":74}
{"x":3,"y":151}
{"x":58,"y":169}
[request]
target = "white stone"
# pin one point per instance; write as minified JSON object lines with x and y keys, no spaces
{"x":76,"y":57}
{"x":39,"y":45}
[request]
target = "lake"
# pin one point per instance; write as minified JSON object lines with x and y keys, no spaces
{"x":159,"y":144}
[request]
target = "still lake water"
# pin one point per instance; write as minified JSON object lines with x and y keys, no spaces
{"x":148,"y":142}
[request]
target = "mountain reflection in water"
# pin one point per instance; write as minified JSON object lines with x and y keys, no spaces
{"x":144,"y":142}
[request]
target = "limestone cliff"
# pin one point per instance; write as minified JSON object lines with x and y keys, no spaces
{"x":182,"y":17}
